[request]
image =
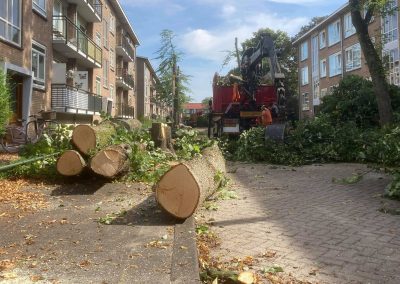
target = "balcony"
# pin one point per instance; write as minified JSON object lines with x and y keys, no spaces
{"x":124,"y":111}
{"x":90,"y":10}
{"x":65,"y":98}
{"x":125,"y":49}
{"x":124,"y":80}
{"x":70,"y":41}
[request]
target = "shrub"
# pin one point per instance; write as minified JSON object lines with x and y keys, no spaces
{"x":5,"y":95}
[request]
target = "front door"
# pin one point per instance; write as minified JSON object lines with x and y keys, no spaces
{"x":16,"y":98}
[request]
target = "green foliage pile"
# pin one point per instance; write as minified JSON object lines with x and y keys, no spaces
{"x":5,"y":107}
{"x":188,"y":143}
{"x":347,"y":130}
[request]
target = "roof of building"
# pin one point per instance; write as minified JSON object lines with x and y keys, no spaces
{"x":329,"y":18}
{"x":197,"y":106}
{"x":148,"y":63}
{"x":124,"y":20}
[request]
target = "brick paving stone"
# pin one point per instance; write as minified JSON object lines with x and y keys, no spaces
{"x":311,"y":222}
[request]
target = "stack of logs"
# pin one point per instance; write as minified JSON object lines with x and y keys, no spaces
{"x":108,"y":162}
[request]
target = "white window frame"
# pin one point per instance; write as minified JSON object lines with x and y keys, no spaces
{"x":112,"y":92}
{"x":39,"y":83}
{"x":98,"y":85}
{"x":323,"y":92}
{"x":349,"y":29}
{"x":41,"y":10}
{"x":322,"y":67}
{"x":304,"y":51}
{"x":353,"y":57}
{"x":337,"y":60}
{"x":334,"y":33}
{"x":304,"y":76}
{"x":322,"y":39}
{"x":112,"y":59}
{"x":8,"y":23}
{"x":390,"y":24}
{"x":105,"y":73}
{"x":112,"y":25}
{"x":305,"y":101}
{"x":106,"y":30}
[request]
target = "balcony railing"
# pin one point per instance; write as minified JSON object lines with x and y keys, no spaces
{"x":125,"y":111}
{"x":66,"y":31}
{"x":123,"y":43}
{"x":97,"y":6}
{"x":125,"y":77}
{"x":65,"y":98}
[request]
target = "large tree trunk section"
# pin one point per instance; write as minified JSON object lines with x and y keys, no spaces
{"x":161,"y":135}
{"x":129,"y":124}
{"x":111,"y":161}
{"x":374,"y":62}
{"x":86,"y":138}
{"x":188,"y":184}
{"x":70,"y":163}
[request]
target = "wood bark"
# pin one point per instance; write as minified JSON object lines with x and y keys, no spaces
{"x":161,"y":135}
{"x":70,"y":163}
{"x":111,"y":161}
{"x":374,"y":62}
{"x":129,"y":124}
{"x":188,"y":184}
{"x":86,"y":138}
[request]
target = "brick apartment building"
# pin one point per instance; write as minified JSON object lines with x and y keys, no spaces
{"x":147,"y":105}
{"x":331,"y":50}
{"x":75,"y":57}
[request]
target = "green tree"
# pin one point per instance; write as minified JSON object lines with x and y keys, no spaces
{"x":205,"y":101}
{"x":374,"y":61}
{"x":5,"y":95}
{"x":304,"y":29}
{"x":168,"y":55}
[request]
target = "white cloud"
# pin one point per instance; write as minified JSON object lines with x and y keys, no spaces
{"x":228,"y":10}
{"x":210,"y":44}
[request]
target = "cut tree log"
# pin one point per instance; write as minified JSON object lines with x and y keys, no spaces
{"x":161,"y":135}
{"x":111,"y":161}
{"x":188,"y":184}
{"x":129,"y":124}
{"x":70,"y":163}
{"x":86,"y":138}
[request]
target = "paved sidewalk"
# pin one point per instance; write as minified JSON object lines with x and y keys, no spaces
{"x":321,"y":231}
{"x":65,"y":243}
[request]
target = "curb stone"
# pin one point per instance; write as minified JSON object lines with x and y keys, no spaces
{"x":185,"y":262}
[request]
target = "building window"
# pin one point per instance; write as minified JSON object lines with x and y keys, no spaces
{"x":335,"y":64}
{"x":322,"y":67}
{"x":334,"y":33}
{"x":306,"y":102}
{"x":40,"y":6}
{"x":112,"y":92}
{"x":105,"y":73}
{"x":390,"y":23}
{"x":349,"y":29}
{"x":98,"y":38}
{"x":112,"y":59}
{"x":39,"y":65}
{"x":392,"y":63}
{"x":98,"y":86}
{"x":304,"y":51}
{"x":304,"y":76}
{"x":10,"y":21}
{"x":105,"y":34}
{"x":112,"y":25}
{"x":323,"y":93}
{"x":322,"y":39}
{"x":353,"y":57}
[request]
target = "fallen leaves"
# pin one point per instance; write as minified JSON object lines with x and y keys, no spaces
{"x":157,"y":244}
{"x":12,"y":192}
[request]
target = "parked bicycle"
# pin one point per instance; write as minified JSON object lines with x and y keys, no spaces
{"x":17,"y":136}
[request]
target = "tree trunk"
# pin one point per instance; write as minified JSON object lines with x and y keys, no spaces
{"x":70,"y":163}
{"x":111,"y":161}
{"x":188,"y":184}
{"x":129,"y":124}
{"x":374,"y":63}
{"x":161,"y":135}
{"x":86,"y":138}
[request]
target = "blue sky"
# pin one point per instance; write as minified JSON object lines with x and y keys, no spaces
{"x":205,"y":28}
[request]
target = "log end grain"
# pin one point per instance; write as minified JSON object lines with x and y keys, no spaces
{"x":84,"y":138}
{"x":70,"y":163}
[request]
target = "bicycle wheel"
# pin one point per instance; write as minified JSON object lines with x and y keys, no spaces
{"x":9,"y":147}
{"x":31,"y":132}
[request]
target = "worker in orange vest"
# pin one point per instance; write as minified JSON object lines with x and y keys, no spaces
{"x":266,"y":116}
